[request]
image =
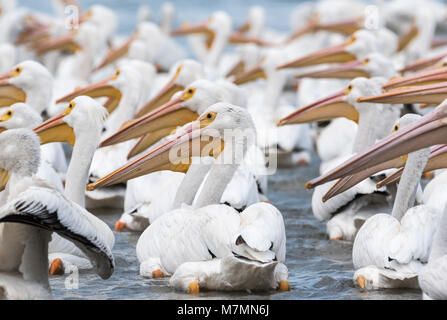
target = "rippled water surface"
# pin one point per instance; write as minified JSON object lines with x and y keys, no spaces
{"x":318,"y":268}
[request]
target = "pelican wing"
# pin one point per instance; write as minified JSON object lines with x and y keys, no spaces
{"x":261,"y":236}
{"x":46,"y":209}
{"x":433,"y":279}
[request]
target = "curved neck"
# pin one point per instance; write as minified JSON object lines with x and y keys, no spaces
{"x":78,"y":170}
{"x":406,"y":192}
{"x":215,"y":184}
{"x":190,"y":184}
{"x":375,"y":122}
{"x":197,"y":44}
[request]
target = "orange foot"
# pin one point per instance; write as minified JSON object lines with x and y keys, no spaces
{"x":337,"y":238}
{"x":119,"y":226}
{"x":284,"y":285}
{"x":303,"y":162}
{"x":361,"y":281}
{"x":193,"y":287}
{"x":56,"y":267}
{"x":156,"y":274}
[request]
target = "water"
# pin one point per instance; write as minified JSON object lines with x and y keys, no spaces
{"x":191,"y":10}
{"x":318,"y":268}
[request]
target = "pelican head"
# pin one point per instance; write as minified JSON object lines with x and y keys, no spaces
{"x":182,"y":73}
{"x":201,"y":138}
{"x":29,"y":82}
{"x":124,"y":81}
{"x":341,"y":104}
{"x":82,"y":119}
{"x":20,"y":152}
{"x":19,"y":115}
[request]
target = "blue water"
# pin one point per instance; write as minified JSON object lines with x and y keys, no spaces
{"x":318,"y":268}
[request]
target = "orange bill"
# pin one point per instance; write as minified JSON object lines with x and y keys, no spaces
{"x":325,"y":109}
{"x":437,"y":160}
{"x":430,"y":130}
{"x":337,"y":53}
{"x":174,"y":155}
{"x":98,"y":90}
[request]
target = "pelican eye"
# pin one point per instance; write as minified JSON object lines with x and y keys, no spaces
{"x":16,"y":71}
{"x":396,"y":127}
{"x":7,"y":115}
{"x":206,"y":119}
{"x":348,"y":89}
{"x":70,"y":108}
{"x":117,"y":73}
{"x":188,"y":94}
{"x":366,"y":61}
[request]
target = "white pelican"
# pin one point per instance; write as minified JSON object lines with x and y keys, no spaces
{"x":247,"y":184}
{"x":31,"y":213}
{"x":431,"y":276}
{"x":80,"y":125}
{"x":20,"y":85}
{"x":389,"y":250}
{"x":123,"y":90}
{"x":428,"y":130}
{"x":374,"y":120}
{"x":144,"y":13}
{"x":208,"y":230}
